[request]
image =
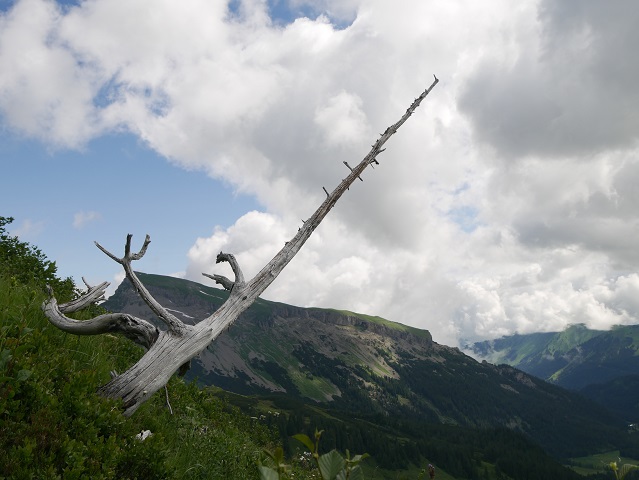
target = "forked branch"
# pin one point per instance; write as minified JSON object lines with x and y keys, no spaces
{"x":92,"y":295}
{"x":174,"y":325}
{"x":136,"y":329}
{"x":222,"y":280}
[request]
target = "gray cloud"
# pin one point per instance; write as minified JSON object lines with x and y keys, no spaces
{"x":571,"y":90}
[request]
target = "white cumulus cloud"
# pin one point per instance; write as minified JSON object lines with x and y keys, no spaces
{"x":506,"y":203}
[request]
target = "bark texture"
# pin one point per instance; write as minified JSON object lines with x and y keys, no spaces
{"x":170,"y":349}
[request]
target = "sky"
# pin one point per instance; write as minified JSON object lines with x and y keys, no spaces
{"x":506,"y":204}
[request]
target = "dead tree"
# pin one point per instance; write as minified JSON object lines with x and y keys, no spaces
{"x":174,"y":347}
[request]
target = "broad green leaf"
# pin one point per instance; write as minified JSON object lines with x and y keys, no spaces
{"x":331,"y":464}
{"x":356,"y":473}
{"x":5,"y":356}
{"x":300,"y":437}
{"x":23,"y":375}
{"x":279,"y":455}
{"x":20,"y":350}
{"x":267,"y":473}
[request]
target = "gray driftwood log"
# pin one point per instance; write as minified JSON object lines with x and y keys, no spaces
{"x":168,"y":350}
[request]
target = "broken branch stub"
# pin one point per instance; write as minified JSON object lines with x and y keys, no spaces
{"x":171,"y":350}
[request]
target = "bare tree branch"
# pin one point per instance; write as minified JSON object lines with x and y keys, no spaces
{"x":172,"y":350}
{"x":136,"y":329}
{"x":265,"y":277}
{"x":174,"y":325}
{"x":230,"y":259}
{"x":221,"y":280}
{"x":92,"y":295}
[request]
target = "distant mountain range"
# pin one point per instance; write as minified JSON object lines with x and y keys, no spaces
{"x":603,"y":365}
{"x":368,"y":368}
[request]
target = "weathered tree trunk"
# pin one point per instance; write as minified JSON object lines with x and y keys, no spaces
{"x":170,"y":349}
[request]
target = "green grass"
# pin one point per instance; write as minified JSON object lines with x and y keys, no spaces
{"x":628,"y":331}
{"x":534,"y":345}
{"x":315,"y":388}
{"x":573,"y":336}
{"x":599,"y":462}
{"x":53,"y":425}
{"x":387,"y":323}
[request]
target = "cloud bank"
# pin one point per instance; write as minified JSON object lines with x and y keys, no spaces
{"x":506,"y":204}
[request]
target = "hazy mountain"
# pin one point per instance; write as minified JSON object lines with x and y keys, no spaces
{"x":540,"y":354}
{"x":374,"y":368}
{"x":603,"y":365}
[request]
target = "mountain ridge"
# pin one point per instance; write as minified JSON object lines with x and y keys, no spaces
{"x":602,"y":365}
{"x":373,"y":368}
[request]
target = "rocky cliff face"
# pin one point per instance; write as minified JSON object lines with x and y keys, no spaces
{"x":268,"y":335}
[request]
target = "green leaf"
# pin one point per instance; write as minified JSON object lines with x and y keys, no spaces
{"x":267,"y":473}
{"x":5,"y":356}
{"x":357,"y":473}
{"x":306,"y":441}
{"x":23,"y":375}
{"x":331,"y":464}
{"x":358,"y":458}
{"x":20,"y":350}
{"x":278,"y":455}
{"x":26,"y":331}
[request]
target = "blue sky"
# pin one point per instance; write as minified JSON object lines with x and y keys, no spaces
{"x":113,"y":185}
{"x":64,"y":200}
{"x":507,"y":203}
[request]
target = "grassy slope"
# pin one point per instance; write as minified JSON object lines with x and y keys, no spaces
{"x":313,"y":387}
{"x":387,"y":323}
{"x":599,"y":463}
{"x":529,"y":351}
{"x":601,"y":357}
{"x":52,"y":425}
{"x":573,"y":336}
